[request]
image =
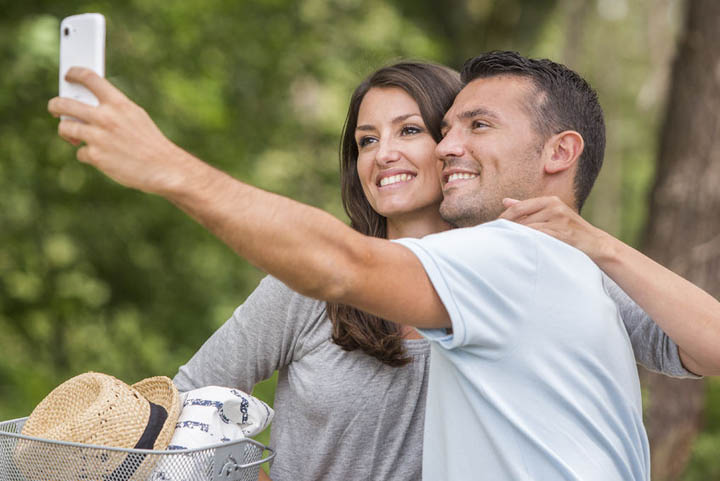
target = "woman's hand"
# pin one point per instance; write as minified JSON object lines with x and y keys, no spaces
{"x":120,"y":137}
{"x":555,"y":218}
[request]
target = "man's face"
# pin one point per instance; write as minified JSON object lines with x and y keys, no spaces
{"x":490,"y":150}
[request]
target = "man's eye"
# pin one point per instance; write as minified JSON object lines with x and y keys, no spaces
{"x":479,"y":124}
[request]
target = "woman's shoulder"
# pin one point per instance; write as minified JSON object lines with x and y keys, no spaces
{"x":277,"y":292}
{"x":305,"y":317}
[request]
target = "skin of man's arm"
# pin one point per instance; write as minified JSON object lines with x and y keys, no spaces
{"x":688,"y":314}
{"x":312,"y":252}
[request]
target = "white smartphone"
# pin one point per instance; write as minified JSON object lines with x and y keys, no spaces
{"x":82,"y":44}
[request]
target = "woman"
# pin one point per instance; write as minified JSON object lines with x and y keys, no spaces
{"x":351,"y":389}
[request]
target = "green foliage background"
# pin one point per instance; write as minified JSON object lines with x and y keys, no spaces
{"x":96,"y":277}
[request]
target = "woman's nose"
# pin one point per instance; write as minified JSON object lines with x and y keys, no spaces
{"x":387,"y":153}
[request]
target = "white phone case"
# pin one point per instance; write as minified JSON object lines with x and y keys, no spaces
{"x":82,"y":44}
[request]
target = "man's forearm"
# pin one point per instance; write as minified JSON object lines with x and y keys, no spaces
{"x":308,"y":249}
{"x":311,"y":251}
{"x":272,"y":232}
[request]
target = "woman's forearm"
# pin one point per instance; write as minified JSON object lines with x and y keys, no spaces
{"x":688,"y":315}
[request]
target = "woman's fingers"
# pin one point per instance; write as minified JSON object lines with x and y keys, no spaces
{"x":516,"y":210}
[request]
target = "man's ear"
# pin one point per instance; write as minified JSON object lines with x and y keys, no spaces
{"x":564,"y":150}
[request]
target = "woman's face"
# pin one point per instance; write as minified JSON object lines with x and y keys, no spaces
{"x":396,"y":162}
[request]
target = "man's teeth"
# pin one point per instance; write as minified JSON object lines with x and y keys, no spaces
{"x":461,"y":175}
{"x":395,"y":179}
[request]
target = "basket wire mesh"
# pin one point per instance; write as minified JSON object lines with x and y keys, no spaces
{"x":24,"y":458}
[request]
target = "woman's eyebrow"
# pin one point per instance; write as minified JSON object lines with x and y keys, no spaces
{"x":401,"y":118}
{"x":398,"y":119}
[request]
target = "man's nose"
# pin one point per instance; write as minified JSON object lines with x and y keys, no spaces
{"x":450,"y":146}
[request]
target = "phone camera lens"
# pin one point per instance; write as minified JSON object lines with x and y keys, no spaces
{"x":66,"y":31}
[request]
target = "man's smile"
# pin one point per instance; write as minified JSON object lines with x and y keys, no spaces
{"x":456,"y":176}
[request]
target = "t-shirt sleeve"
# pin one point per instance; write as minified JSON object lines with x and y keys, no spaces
{"x":653,"y":349}
{"x":486,"y":278}
{"x":263,"y":334}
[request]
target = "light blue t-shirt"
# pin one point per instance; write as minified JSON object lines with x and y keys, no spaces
{"x":537,"y":380}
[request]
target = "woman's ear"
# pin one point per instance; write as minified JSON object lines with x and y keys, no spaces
{"x":565,"y":149}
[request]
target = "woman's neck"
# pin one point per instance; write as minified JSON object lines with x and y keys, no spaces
{"x":416,"y":224}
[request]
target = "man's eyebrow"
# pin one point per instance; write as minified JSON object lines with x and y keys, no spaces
{"x":399,"y":118}
{"x":469,"y":114}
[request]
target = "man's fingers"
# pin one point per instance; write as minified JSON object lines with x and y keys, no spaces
{"x":82,"y":154}
{"x":103,"y":90}
{"x":63,"y":106}
{"x":76,"y":132}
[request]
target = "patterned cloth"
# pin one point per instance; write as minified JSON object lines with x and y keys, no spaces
{"x":213,"y":414}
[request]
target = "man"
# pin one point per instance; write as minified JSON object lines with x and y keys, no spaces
{"x":532,"y":375}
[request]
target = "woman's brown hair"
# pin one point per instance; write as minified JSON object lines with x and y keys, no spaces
{"x":434,"y":88}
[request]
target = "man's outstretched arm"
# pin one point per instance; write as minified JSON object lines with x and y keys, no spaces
{"x":308,"y":249}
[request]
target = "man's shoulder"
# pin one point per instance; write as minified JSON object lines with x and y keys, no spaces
{"x":500,"y":233}
{"x":485,"y":250}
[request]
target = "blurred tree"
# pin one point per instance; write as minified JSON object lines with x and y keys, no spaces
{"x":467,"y":27}
{"x":93,"y":276}
{"x":683,"y":232}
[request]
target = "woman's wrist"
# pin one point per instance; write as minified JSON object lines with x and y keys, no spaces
{"x":605,"y":250}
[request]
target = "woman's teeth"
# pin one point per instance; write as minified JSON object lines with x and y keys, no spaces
{"x":394,"y":179}
{"x":459,"y":176}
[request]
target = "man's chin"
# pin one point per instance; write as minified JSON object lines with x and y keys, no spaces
{"x":455,"y":216}
{"x":465,"y":214}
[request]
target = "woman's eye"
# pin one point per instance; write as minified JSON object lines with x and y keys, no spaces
{"x":410,"y":130}
{"x":363,"y":141}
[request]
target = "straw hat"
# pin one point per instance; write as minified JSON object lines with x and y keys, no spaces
{"x":98,"y":409}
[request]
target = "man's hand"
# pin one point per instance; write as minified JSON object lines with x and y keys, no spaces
{"x":553,"y":217}
{"x":120,"y":138}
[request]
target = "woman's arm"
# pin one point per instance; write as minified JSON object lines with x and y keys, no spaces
{"x":689,"y":315}
{"x":261,"y":336}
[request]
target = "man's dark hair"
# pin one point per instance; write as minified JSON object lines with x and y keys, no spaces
{"x":563,"y":101}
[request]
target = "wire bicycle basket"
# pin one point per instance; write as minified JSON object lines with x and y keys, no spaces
{"x":25,"y":458}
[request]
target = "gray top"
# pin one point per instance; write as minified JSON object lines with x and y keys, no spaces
{"x":344,"y":415}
